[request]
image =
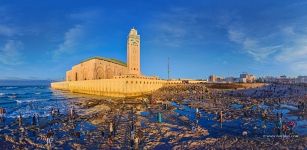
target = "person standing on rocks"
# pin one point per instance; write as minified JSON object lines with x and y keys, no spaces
{"x":221,"y":116}
{"x":264,"y":114}
{"x":110,"y":141}
{"x":37,"y":118}
{"x":193,"y":129}
{"x":102,"y":134}
{"x":291,"y":125}
{"x":285,"y":129}
{"x":111,"y":128}
{"x":22,"y":133}
{"x":132,"y":134}
{"x":19,"y":120}
{"x":131,"y":143}
{"x":53,"y":113}
{"x":279,"y":125}
{"x":196,"y":123}
{"x":136,"y":143}
{"x":197,"y":113}
{"x":114,"y":128}
{"x":33,"y":119}
{"x":49,"y":138}
{"x":299,"y":106}
{"x":2,"y":114}
{"x":140,"y":136}
{"x":159,"y":117}
{"x":244,"y":133}
{"x":71,"y":113}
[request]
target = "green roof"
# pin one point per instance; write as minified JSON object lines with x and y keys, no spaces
{"x":106,"y":59}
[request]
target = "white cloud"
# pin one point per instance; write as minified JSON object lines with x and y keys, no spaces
{"x":10,"y":52}
{"x":294,"y":53}
{"x":251,"y":45}
{"x":300,"y":67}
{"x":288,"y":30}
{"x":291,"y":54}
{"x":71,"y":40}
{"x":235,"y":36}
{"x":177,"y":26}
{"x":7,"y":31}
{"x":86,"y":16}
{"x":74,"y":36}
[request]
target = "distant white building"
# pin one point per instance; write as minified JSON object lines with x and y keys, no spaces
{"x":247,"y":78}
{"x":242,"y":80}
{"x":214,"y":78}
{"x":269,"y":79}
{"x":301,"y":79}
{"x":285,"y":79}
{"x":281,"y":79}
{"x":230,"y":79}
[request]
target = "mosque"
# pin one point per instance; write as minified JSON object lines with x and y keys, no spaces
{"x":107,"y":68}
{"x":111,"y":77}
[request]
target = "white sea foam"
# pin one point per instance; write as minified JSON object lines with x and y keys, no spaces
{"x":288,"y":107}
{"x":30,"y":100}
{"x":11,"y":87}
{"x":27,"y":113}
{"x":12,"y":96}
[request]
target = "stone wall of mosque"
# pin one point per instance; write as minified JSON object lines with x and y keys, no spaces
{"x":95,"y":69}
{"x":120,"y":87}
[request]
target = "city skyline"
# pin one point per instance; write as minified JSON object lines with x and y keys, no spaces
{"x":41,"y":40}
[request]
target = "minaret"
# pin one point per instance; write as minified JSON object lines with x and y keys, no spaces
{"x":133,"y":52}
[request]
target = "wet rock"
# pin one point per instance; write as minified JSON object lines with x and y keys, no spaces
{"x":10,"y":139}
{"x":183,"y":118}
{"x":210,"y":141}
{"x":76,"y":146}
{"x":97,"y":109}
{"x":34,"y":144}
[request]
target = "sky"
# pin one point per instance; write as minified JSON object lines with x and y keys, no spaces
{"x":43,"y":39}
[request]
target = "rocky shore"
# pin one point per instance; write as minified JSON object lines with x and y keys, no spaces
{"x":176,"y":117}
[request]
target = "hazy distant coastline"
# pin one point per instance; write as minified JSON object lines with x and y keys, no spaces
{"x":25,"y":82}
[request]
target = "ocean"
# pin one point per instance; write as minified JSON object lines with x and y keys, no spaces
{"x":29,"y":99}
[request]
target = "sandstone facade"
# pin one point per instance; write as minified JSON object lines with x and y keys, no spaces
{"x":96,"y":68}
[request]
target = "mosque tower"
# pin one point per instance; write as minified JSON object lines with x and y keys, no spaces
{"x":133,"y":53}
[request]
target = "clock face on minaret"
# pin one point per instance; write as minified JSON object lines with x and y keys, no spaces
{"x":133,"y":52}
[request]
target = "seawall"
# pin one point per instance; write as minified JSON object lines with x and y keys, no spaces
{"x":124,"y":87}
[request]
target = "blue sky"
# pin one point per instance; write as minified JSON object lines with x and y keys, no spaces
{"x":43,"y":39}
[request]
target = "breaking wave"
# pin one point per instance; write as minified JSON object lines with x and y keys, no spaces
{"x":31,"y":100}
{"x":11,"y":87}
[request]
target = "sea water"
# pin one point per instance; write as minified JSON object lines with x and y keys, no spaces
{"x":28,"y":100}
